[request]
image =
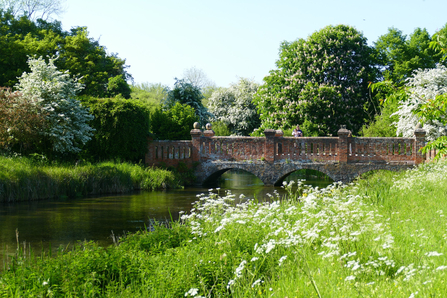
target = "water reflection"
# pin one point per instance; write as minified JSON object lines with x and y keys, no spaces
{"x":64,"y":222}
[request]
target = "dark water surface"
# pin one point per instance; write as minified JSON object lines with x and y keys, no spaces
{"x":64,"y":222}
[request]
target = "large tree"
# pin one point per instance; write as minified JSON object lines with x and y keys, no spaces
{"x":402,"y":55}
{"x":320,"y":83}
{"x":102,"y":74}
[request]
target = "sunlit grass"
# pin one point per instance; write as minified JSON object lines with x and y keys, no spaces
{"x":383,"y":236}
{"x":23,"y":179}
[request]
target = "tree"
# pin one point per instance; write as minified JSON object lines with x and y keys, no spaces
{"x":423,"y":88}
{"x":186,"y":93}
{"x":402,"y":56}
{"x":81,"y":55}
{"x":54,"y":92}
{"x":439,"y":42}
{"x":118,"y":86}
{"x":20,"y":122}
{"x":233,"y":106}
{"x":197,"y":77}
{"x":320,"y":83}
{"x":33,"y":9}
{"x":86,"y":58}
{"x":151,"y":95}
{"x":174,"y":123}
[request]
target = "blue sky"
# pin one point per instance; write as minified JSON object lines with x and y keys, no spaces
{"x":231,"y":39}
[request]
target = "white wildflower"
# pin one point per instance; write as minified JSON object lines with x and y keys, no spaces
{"x":192,"y":292}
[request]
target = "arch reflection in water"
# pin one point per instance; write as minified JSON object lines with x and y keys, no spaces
{"x":239,"y":179}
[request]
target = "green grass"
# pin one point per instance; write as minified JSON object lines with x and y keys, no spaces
{"x":23,"y":179}
{"x":383,"y":236}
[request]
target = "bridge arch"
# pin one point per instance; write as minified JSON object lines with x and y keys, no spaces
{"x":213,"y":178}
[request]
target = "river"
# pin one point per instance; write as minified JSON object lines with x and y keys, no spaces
{"x":54,"y":223}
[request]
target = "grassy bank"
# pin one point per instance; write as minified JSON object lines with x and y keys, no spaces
{"x":384,"y":236}
{"x":23,"y":179}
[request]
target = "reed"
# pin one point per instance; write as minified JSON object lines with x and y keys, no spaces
{"x":23,"y":179}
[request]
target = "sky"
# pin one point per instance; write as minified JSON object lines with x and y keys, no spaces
{"x":231,"y":39}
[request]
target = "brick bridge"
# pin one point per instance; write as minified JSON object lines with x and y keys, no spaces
{"x":273,"y":157}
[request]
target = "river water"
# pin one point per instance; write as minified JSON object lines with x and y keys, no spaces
{"x":44,"y":224}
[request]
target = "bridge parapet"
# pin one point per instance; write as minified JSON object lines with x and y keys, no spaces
{"x":383,"y":150}
{"x":344,"y":151}
{"x":306,"y":149}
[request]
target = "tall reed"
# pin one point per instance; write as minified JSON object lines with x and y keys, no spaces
{"x":23,"y":179}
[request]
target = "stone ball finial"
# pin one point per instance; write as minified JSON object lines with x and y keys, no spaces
{"x":196,"y":125}
{"x":418,"y":126}
{"x":208,"y":126}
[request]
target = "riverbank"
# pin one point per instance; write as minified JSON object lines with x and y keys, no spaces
{"x":383,"y":236}
{"x":23,"y":179}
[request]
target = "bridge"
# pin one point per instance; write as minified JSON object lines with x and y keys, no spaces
{"x":273,"y":157}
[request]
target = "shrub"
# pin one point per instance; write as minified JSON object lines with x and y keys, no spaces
{"x":174,"y":123}
{"x":121,"y":126}
{"x":186,"y":93}
{"x":20,"y":121}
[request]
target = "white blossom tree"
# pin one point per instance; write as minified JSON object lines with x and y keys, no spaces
{"x":423,"y":86}
{"x":54,"y":92}
{"x":233,"y":106}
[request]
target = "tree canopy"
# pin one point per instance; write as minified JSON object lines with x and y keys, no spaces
{"x":320,"y":83}
{"x":189,"y":94}
{"x":233,"y":106}
{"x":401,"y":55}
{"x":101,"y":73}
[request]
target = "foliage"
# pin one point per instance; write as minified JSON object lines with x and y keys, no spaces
{"x":380,"y":238}
{"x":402,"y":56}
{"x":54,"y":92}
{"x":77,"y":53}
{"x":20,"y":38}
{"x":439,"y":42}
{"x":383,"y":124}
{"x":151,"y":95}
{"x":423,"y":87}
{"x":220,"y":129}
{"x":233,"y":106}
{"x":25,"y":179}
{"x":33,"y":9}
{"x":174,"y":123}
{"x":118,"y":86}
{"x":435,"y":110}
{"x":121,"y":129}
{"x":186,"y":93}
{"x":87,"y":59}
{"x":321,"y":81}
{"x":390,"y":96}
{"x":20,"y":122}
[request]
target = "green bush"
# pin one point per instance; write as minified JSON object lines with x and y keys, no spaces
{"x":121,"y":126}
{"x":221,"y":129}
{"x":175,"y":123}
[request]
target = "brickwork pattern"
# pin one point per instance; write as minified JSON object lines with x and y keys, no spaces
{"x":274,"y":157}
